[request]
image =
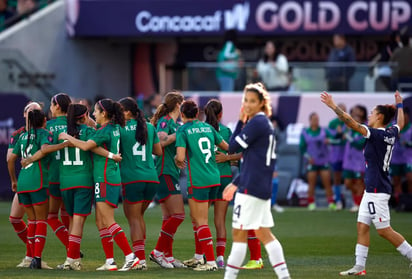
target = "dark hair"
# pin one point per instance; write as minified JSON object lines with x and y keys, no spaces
{"x":63,"y":100}
{"x":113,"y":109}
{"x":129,"y":104}
{"x":275,"y":55}
{"x":35,"y":119}
{"x":189,"y":109}
{"x":405,"y":40}
{"x":312,"y":114}
{"x":388,"y":112}
{"x":260,"y":90}
{"x":75,"y":112}
{"x":171,"y":99}
{"x":364,"y":111}
{"x":212,"y":110}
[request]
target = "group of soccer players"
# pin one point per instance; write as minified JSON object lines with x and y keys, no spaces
{"x":72,"y":162}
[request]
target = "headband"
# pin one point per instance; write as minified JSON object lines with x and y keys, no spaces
{"x":101,"y":105}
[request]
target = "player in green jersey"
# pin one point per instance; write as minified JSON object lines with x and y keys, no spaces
{"x":213,"y":112}
{"x":195,"y":142}
{"x":32,"y":182}
{"x":106,"y":173}
{"x":168,"y":192}
{"x":58,"y":108}
{"x":138,"y":141}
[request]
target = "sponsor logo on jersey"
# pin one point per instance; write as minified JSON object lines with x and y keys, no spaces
{"x":163,"y":125}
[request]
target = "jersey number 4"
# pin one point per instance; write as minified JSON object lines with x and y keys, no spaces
{"x":137,"y":152}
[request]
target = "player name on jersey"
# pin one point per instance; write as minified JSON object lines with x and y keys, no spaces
{"x":199,"y":130}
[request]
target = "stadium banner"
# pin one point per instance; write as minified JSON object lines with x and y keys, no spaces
{"x":11,"y":118}
{"x":169,"y":18}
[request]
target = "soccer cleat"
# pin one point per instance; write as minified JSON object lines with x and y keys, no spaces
{"x":160,"y":260}
{"x":35,"y":263}
{"x":193,"y":262}
{"x":332,"y":206}
{"x":221,"y":264}
{"x":177,"y":264}
{"x":205,"y":267}
{"x":24,"y":263}
{"x":253,"y":264}
{"x":141,"y":266}
{"x":130,"y":264}
{"x":312,"y":206}
{"x":277,"y":208}
{"x":111,"y":267}
{"x":357,"y":270}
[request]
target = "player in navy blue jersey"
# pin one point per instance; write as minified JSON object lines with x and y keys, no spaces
{"x":254,"y":134}
{"x":374,"y":206}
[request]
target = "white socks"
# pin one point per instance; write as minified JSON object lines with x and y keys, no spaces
{"x":405,"y":249}
{"x":361,"y":254}
{"x":235,"y":260}
{"x":276,"y":258}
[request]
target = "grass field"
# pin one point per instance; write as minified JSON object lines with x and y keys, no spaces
{"x":316,"y":245}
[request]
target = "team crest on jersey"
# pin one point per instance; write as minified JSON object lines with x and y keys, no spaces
{"x":163,"y":125}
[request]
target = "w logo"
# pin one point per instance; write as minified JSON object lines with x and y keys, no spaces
{"x":237,"y":17}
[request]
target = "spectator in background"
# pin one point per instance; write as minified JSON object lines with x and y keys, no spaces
{"x":384,"y":71}
{"x":229,"y":62}
{"x":338,"y":75}
{"x":151,"y":105}
{"x":403,"y":57}
{"x":272,"y":69}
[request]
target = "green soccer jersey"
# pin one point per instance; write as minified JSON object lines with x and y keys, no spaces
{"x":15,"y":137}
{"x":137,"y":164}
{"x":166,"y":163}
{"x":56,"y":126}
{"x":200,"y":139}
{"x":105,"y":169}
{"x":35,"y":175}
{"x":224,"y":168}
{"x":76,"y":166}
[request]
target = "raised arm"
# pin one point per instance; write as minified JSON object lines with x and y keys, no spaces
{"x":400,"y":120}
{"x":326,"y":98}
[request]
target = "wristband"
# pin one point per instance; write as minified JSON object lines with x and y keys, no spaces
{"x":400,"y":105}
{"x":110,"y":156}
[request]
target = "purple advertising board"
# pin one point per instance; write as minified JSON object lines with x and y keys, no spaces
{"x":142,"y":18}
{"x":11,"y":118}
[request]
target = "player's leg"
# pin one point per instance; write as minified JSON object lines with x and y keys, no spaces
{"x":55,"y":202}
{"x":107,"y":244}
{"x":325,"y":177}
{"x":311,"y":176}
{"x":337,"y":181}
{"x":255,"y":251}
{"x":220,"y":211}
{"x":16,"y":219}
{"x":237,"y":253}
{"x":41,"y":210}
{"x":275,"y":252}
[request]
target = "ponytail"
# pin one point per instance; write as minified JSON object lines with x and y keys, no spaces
{"x":388,"y":112}
{"x":63,"y":100}
{"x":212,"y":110}
{"x":129,"y":104}
{"x":113,"y":110}
{"x":35,"y":119}
{"x":75,"y":112}
{"x":171,"y":99}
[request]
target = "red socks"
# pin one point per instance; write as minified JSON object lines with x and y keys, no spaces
{"x":138,"y":249}
{"x":31,"y":231}
{"x":220,"y":246}
{"x":19,"y":227}
{"x":206,"y":242}
{"x":198,"y":247}
{"x":65,"y":217}
{"x":40,"y":237}
{"x":169,"y":228}
{"x":107,"y":243}
{"x":254,"y":246}
{"x":120,"y":238}
{"x":74,"y":246}
{"x":59,"y":229}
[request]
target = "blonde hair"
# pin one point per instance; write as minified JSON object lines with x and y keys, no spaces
{"x":263,"y":95}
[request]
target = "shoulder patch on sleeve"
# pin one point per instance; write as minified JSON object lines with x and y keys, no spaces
{"x":163,"y":125}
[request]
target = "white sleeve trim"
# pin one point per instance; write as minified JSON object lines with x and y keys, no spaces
{"x":368,"y":134}
{"x":396,"y":125}
{"x":242,"y":143}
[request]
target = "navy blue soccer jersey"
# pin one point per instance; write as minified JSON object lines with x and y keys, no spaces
{"x":257,"y":141}
{"x":378,"y":153}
